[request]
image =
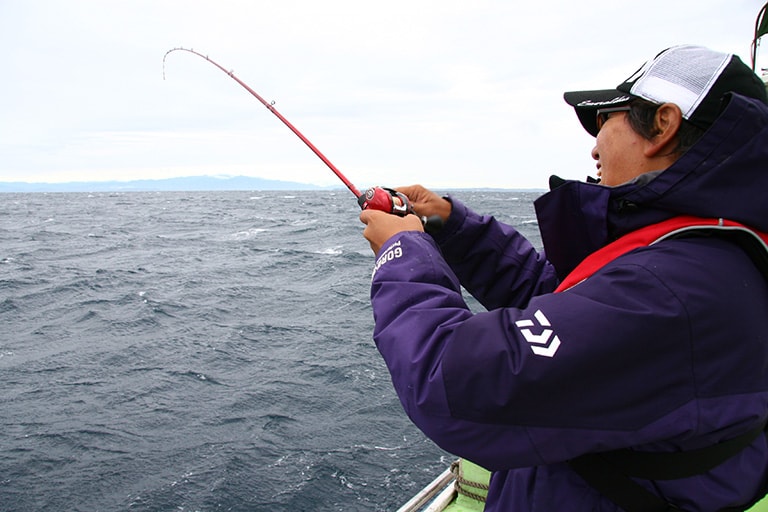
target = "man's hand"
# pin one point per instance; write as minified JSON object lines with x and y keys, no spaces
{"x":426,"y":203}
{"x":381,"y":226}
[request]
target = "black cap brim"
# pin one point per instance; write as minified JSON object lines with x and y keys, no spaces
{"x":586,"y":104}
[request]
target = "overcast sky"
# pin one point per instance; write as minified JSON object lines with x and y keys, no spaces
{"x":447,"y":93}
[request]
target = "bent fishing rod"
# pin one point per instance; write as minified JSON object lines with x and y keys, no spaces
{"x":374,"y":198}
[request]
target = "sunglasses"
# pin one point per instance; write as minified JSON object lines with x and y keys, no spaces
{"x":603,"y":114}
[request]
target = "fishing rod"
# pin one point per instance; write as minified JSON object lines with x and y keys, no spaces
{"x":374,"y":198}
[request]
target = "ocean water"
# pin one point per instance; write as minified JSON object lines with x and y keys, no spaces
{"x":201,"y":351}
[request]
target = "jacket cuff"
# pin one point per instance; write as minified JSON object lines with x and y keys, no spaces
{"x":454,"y":223}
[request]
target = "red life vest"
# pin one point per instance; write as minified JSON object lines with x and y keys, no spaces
{"x":649,"y":235}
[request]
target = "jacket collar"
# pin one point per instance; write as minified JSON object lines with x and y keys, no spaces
{"x":719,"y":177}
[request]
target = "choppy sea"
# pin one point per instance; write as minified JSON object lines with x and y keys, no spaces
{"x":201,"y":351}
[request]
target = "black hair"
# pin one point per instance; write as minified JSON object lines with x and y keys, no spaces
{"x":641,"y":118}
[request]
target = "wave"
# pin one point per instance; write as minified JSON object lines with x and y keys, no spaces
{"x":199,"y":351}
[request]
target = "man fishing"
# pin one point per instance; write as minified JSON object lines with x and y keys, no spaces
{"x":625,"y":367}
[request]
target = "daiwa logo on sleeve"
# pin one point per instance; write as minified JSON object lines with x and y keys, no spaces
{"x":546,"y":342}
{"x":392,"y":252}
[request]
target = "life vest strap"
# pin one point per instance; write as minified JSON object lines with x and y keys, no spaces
{"x":670,"y":228}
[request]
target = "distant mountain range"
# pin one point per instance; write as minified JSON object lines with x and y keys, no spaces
{"x":191,"y":183}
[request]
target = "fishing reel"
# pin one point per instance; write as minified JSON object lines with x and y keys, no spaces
{"x":386,"y":200}
{"x":396,"y":203}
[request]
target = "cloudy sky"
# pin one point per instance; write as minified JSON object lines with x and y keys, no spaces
{"x":447,"y":93}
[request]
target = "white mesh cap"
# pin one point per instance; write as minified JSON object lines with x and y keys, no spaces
{"x":682,"y":75}
{"x":694,"y":78}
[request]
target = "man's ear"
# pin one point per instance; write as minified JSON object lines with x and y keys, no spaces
{"x":666,"y":124}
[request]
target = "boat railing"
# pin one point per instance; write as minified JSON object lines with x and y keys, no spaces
{"x":438,"y":494}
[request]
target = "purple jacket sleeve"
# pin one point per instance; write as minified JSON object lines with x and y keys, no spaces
{"x":494,"y":262}
{"x":418,"y":307}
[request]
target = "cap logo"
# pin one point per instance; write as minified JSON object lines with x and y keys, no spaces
{"x":591,"y":103}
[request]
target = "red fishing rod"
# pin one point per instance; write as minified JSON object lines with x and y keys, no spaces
{"x":375,"y":198}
